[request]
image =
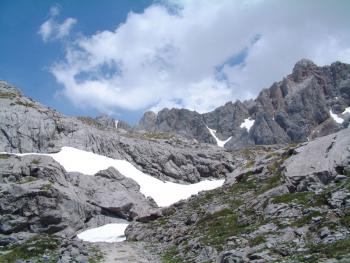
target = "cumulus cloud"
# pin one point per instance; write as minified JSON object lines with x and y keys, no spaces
{"x":51,"y":29}
{"x":200,"y":54}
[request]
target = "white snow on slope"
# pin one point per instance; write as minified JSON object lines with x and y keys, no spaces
{"x":247,"y":123}
{"x":219,"y":142}
{"x":116,"y":124}
{"x":336,"y":118}
{"x":108,"y":233}
{"x":164,"y":193}
{"x":347,"y":110}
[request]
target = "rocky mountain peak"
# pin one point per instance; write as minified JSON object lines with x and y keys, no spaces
{"x":6,"y":88}
{"x":303,"y":69}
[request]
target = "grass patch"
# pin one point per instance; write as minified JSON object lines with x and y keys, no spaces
{"x":157,"y":136}
{"x":305,"y":219}
{"x":345,"y":220}
{"x":27,"y":179}
{"x":35,"y":161}
{"x":34,"y":248}
{"x":302,"y":198}
{"x":25,"y":103}
{"x":270,"y":155}
{"x":171,"y":256}
{"x":250,"y":164}
{"x":257,"y":240}
{"x":90,"y":121}
{"x":270,"y":182}
{"x":47,"y":187}
{"x":7,"y":95}
{"x":217,"y":227}
{"x":4,"y":156}
{"x":332,"y":250}
{"x":97,"y":257}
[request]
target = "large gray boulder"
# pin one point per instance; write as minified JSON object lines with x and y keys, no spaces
{"x":320,"y":161}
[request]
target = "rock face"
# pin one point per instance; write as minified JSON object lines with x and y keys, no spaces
{"x":38,"y":196}
{"x":27,"y":126}
{"x":292,"y":110}
{"x":262,"y":214}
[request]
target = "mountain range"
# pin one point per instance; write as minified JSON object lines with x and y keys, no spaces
{"x":264,"y":180}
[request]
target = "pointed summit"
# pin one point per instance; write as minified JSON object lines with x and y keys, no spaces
{"x":302,"y":69}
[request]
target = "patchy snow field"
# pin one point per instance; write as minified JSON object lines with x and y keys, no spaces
{"x":219,"y":142}
{"x":163,"y":193}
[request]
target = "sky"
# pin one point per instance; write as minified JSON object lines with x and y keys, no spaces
{"x":122,"y":58}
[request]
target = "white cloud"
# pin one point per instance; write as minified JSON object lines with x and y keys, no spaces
{"x":183,"y":55}
{"x":51,"y":29}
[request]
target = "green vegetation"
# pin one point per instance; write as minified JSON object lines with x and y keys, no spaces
{"x":7,"y":95}
{"x":332,"y":250}
{"x":47,"y":187}
{"x":171,"y":256}
{"x":25,"y":103}
{"x":306,"y":219}
{"x":35,"y":161}
{"x":270,"y":155}
{"x":217,"y":227}
{"x":27,"y":179}
{"x":250,"y":164}
{"x":90,"y":121}
{"x":257,"y":240}
{"x":97,"y":257}
{"x":4,"y":156}
{"x":271,"y":182}
{"x":156,"y":136}
{"x":302,"y":198}
{"x":34,"y":248}
{"x":345,"y":220}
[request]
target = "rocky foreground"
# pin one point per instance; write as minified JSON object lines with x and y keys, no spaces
{"x":289,"y":205}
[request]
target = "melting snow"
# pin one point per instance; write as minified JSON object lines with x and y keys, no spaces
{"x":247,"y":123}
{"x":108,"y":233}
{"x":347,"y":110}
{"x":164,"y":193}
{"x":336,"y":118}
{"x":219,"y":142}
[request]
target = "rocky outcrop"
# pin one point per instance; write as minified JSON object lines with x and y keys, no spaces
{"x":262,"y":214}
{"x":292,"y":110}
{"x":28,"y":126}
{"x":38,"y":196}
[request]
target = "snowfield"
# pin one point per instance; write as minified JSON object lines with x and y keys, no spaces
{"x":247,"y":123}
{"x":219,"y":142}
{"x":163,"y":193}
{"x":109,"y":233}
{"x":336,"y":118}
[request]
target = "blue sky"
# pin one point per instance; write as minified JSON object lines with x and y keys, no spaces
{"x":25,"y":59}
{"x":124,"y":57}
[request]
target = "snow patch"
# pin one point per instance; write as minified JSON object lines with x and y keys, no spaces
{"x":163,"y":193}
{"x":219,"y":142}
{"x":108,"y":233}
{"x":347,"y":110}
{"x":336,"y":118}
{"x":116,"y":124}
{"x":248,"y":123}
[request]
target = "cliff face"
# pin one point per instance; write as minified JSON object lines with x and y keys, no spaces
{"x":295,"y":109}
